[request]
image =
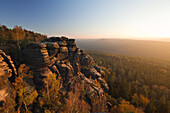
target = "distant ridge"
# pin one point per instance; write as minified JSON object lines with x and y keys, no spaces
{"x":144,"y":48}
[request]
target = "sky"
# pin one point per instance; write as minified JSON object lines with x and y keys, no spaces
{"x":140,"y":19}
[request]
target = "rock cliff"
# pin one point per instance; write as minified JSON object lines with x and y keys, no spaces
{"x":59,"y":56}
{"x":62,"y":57}
{"x":7,"y":71}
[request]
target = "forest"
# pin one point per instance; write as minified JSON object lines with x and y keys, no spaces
{"x":142,"y":82}
{"x":19,"y":34}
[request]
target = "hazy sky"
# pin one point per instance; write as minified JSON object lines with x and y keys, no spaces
{"x":90,"y":18}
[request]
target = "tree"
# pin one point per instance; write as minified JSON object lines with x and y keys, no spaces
{"x":26,"y":93}
{"x":18,"y":32}
{"x":49,"y":98}
{"x":126,"y":107}
{"x":140,"y":101}
{"x":76,"y":102}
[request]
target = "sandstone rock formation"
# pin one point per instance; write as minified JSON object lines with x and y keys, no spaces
{"x":62,"y":57}
{"x":7,"y":70}
{"x":57,"y":56}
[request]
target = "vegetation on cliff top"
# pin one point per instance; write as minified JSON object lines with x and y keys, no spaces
{"x":19,"y":34}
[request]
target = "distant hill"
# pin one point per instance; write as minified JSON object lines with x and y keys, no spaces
{"x":167,"y":39}
{"x":143,"y":48}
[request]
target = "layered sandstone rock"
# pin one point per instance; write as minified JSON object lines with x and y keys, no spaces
{"x":62,"y":57}
{"x":7,"y":70}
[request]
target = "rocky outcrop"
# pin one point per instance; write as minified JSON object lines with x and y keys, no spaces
{"x":56,"y":57}
{"x":7,"y":70}
{"x":62,"y":57}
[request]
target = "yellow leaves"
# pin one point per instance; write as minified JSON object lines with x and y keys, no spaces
{"x":30,"y":98}
{"x":18,"y":83}
{"x":83,"y":102}
{"x":40,"y":102}
{"x":107,"y":94}
{"x":140,"y":100}
{"x":76,"y":104}
{"x":108,"y":72}
{"x":164,"y":70}
{"x":97,"y":83}
{"x":50,"y":95}
{"x":47,"y":111}
{"x":45,"y":81}
{"x":24,"y":71}
{"x":18,"y":80}
{"x":115,"y":106}
{"x":26,"y":93}
{"x":8,"y":106}
{"x":144,"y":100}
{"x":135,"y":97}
{"x":126,"y":107}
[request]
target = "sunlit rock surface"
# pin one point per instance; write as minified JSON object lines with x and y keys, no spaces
{"x":62,"y":57}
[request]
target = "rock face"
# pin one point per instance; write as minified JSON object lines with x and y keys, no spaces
{"x":62,"y":57}
{"x":7,"y":70}
{"x":54,"y":56}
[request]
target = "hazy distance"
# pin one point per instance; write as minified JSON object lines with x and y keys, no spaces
{"x":143,"y":48}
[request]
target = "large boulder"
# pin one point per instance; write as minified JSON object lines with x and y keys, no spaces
{"x":85,"y":60}
{"x":36,"y":55}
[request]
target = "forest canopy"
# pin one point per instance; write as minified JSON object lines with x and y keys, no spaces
{"x":18,"y":33}
{"x":144,"y":82}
